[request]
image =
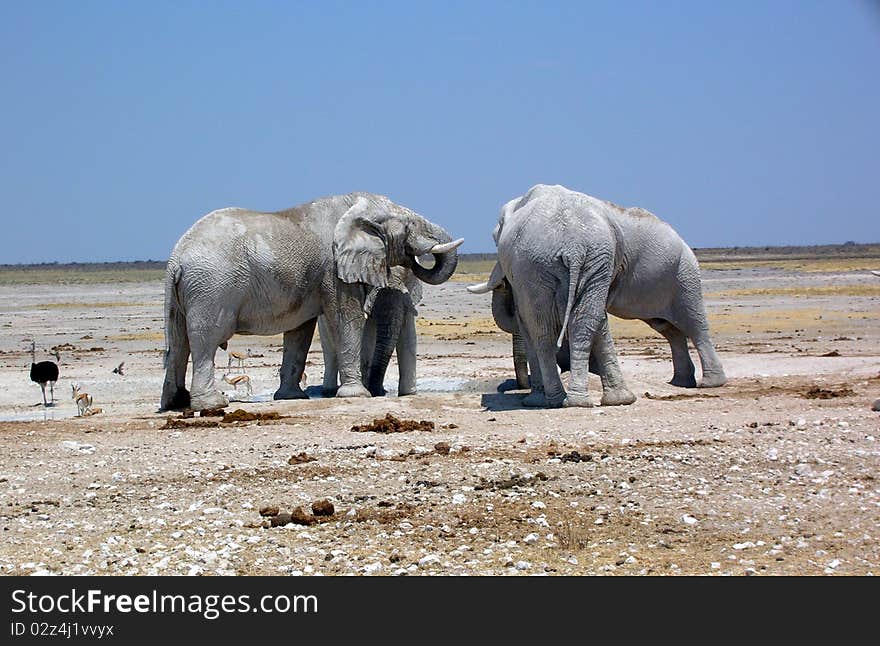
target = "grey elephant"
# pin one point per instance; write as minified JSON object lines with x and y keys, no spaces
{"x":570,"y":259}
{"x":390,"y":327}
{"x":245,"y":272}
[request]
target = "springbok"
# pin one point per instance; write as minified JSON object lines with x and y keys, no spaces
{"x":83,"y":400}
{"x":237,"y":380}
{"x":238,"y":356}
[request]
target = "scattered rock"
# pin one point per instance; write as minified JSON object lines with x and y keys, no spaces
{"x":575,"y":456}
{"x":280,"y":520}
{"x":269,"y":510}
{"x":442,"y":448}
{"x":876,"y":405}
{"x":833,"y":353}
{"x":391,"y":424}
{"x":450,"y":426}
{"x":300,"y":458}
{"x":323,"y":508}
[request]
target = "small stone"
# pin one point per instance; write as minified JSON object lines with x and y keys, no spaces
{"x":801,"y":423}
{"x":803,"y":469}
{"x":280,"y":520}
{"x":876,"y":405}
{"x":538,"y":505}
{"x":269,"y":510}
{"x":323,"y":508}
{"x":442,"y":448}
{"x":459,"y":499}
{"x":687,"y":519}
{"x":773,"y":454}
{"x":531,"y":538}
{"x":522,"y":565}
{"x":428,"y":560}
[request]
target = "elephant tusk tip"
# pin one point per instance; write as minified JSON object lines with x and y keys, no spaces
{"x":482,"y":288}
{"x":446,"y":246}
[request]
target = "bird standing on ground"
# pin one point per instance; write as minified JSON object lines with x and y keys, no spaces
{"x":118,"y":369}
{"x":45,"y":372}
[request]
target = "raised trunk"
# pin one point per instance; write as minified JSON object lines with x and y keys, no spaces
{"x":444,"y":267}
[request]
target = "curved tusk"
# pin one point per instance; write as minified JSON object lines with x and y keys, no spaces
{"x":482,"y":288}
{"x":446,"y":246}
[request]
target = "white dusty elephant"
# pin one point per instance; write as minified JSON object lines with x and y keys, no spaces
{"x":244,"y":272}
{"x":569,"y":259}
{"x":390,"y":327}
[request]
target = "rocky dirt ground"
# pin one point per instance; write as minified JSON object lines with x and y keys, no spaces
{"x":775,"y":473}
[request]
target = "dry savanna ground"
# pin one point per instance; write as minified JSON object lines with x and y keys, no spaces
{"x":775,"y":473}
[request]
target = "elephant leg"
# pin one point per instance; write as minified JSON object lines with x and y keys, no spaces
{"x":604,"y":359}
{"x":205,"y":394}
{"x":407,"y":344}
{"x":293,"y":362}
{"x":175,"y":396}
{"x":588,"y":325}
{"x":713,"y":372}
{"x":697,"y":329}
{"x":683,"y":367}
{"x":540,"y":338}
{"x":331,"y":367}
{"x":346,"y":324}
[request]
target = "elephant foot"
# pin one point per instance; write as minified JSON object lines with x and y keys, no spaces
{"x":178,"y":401}
{"x":580,"y":400}
{"x":405,"y":392}
{"x":683,"y":381}
{"x":352,"y":390}
{"x":617,"y":397}
{"x":209,"y":401}
{"x":509,"y":384}
{"x":290,"y":393}
{"x":713,"y":380}
{"x":378,"y":392}
{"x":535,"y":399}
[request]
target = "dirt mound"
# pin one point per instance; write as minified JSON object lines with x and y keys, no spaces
{"x":240,"y":415}
{"x":391,"y":424}
{"x":300,"y":458}
{"x":827,"y":393}
{"x":178,"y":422}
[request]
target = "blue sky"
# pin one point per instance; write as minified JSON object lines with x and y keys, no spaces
{"x":740,"y":123}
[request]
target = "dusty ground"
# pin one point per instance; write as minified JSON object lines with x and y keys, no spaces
{"x":755,"y":477}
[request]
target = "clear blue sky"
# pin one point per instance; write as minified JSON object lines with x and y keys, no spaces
{"x":740,"y":123}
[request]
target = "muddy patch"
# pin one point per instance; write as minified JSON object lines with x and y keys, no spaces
{"x":817,"y":392}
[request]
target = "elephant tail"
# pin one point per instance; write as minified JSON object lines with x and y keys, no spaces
{"x":175,"y":319}
{"x":574,"y":277}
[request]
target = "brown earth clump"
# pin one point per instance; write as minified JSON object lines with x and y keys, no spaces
{"x":240,"y":415}
{"x":323,"y":508}
{"x":177,"y":422}
{"x":827,"y":393}
{"x":300,"y":458}
{"x":391,"y":424}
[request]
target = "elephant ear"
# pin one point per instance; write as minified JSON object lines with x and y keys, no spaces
{"x":360,"y":244}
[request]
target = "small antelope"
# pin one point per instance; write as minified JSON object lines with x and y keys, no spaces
{"x":238,"y":356}
{"x":237,"y":380}
{"x":83,"y":400}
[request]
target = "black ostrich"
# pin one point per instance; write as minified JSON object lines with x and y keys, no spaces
{"x":45,"y":372}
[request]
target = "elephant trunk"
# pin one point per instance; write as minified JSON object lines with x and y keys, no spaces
{"x":503,"y":308}
{"x":433,"y":240}
{"x":520,"y":361}
{"x":388,"y":314}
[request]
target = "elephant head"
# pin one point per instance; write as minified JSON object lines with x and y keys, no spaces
{"x":376,"y":234}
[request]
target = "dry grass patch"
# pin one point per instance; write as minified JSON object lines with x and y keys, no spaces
{"x":825,"y":290}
